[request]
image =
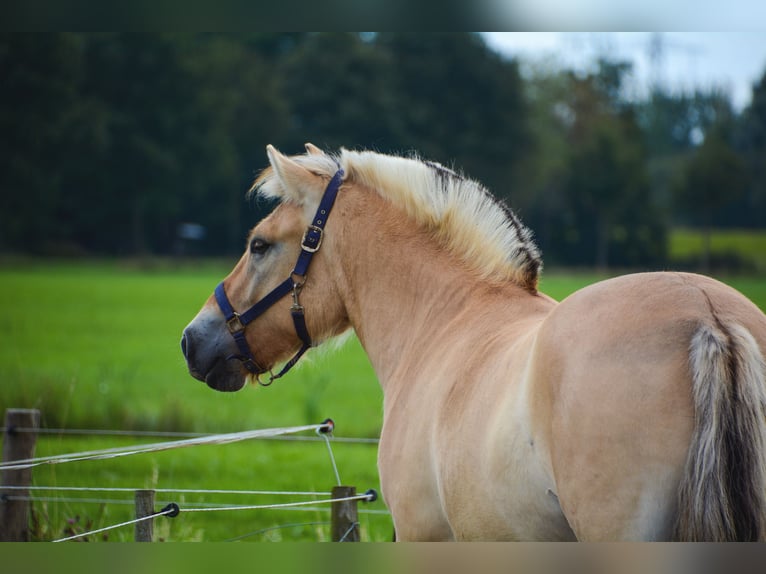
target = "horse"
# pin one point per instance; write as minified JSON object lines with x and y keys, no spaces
{"x":634,"y":409}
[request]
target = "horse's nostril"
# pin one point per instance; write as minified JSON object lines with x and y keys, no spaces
{"x":184,"y":344}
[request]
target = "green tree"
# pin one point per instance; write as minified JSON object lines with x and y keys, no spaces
{"x":673,"y":126}
{"x":172,"y":130}
{"x":39,"y":75}
{"x":124,"y":189}
{"x":540,"y":193}
{"x":456,"y":101}
{"x":611,"y":218}
{"x":338,"y":89}
{"x":111,"y":140}
{"x":714,"y":177}
{"x":752,"y":143}
{"x":238,"y":110}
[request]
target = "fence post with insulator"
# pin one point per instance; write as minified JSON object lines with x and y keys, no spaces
{"x":344,"y":516}
{"x":19,"y":442}
{"x":144,"y":530}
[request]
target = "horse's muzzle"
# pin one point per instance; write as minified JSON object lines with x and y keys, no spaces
{"x":217,"y":372}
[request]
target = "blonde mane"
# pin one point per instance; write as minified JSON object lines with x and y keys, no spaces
{"x":461,"y":213}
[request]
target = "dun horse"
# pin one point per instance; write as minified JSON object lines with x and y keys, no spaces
{"x":633,"y":410}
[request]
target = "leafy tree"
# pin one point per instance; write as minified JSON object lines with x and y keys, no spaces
{"x":458,"y":102}
{"x":338,"y":88}
{"x":714,"y":177}
{"x":238,"y":110}
{"x":610,"y":214}
{"x":124,"y":198}
{"x":110,"y":141}
{"x":447,"y":96}
{"x":752,"y":143}
{"x":673,"y":125}
{"x":539,"y":195}
{"x":676,"y":122}
{"x":173,"y":129}
{"x":39,"y":92}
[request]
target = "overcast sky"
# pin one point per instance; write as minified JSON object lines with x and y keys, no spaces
{"x":731,"y":61}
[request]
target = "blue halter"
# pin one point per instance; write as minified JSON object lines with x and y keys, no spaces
{"x":310,"y":244}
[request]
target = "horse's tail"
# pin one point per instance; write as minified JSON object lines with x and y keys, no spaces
{"x":723,"y":490}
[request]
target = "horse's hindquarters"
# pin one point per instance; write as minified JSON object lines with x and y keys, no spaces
{"x":615,"y":360}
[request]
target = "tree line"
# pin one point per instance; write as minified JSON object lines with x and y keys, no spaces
{"x":111,"y":142}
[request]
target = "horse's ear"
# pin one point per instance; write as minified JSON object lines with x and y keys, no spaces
{"x":311,"y":149}
{"x":295,"y":179}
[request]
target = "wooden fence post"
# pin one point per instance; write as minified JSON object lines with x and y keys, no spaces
{"x":144,"y":507}
{"x":17,"y":445}
{"x":345,"y":523}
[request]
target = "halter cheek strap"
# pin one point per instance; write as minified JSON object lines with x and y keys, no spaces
{"x":237,"y":322}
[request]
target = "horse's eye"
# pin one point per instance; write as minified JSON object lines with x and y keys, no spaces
{"x":258,"y":246}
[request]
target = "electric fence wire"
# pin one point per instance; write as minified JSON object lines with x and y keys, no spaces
{"x":154,"y":447}
{"x":173,"y":510}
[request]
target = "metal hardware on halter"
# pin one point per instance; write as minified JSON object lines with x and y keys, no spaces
{"x":258,"y":380}
{"x":308,"y":243}
{"x":237,"y":322}
{"x":296,"y":307}
{"x":234,"y":324}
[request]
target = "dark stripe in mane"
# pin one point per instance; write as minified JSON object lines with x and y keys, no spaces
{"x":528,"y":255}
{"x":444,"y":173}
{"x":532,"y":259}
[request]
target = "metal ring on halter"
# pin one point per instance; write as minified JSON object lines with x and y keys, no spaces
{"x":260,"y":382}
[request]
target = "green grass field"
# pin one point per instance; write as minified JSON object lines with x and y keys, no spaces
{"x":96,"y":345}
{"x":739,"y":248}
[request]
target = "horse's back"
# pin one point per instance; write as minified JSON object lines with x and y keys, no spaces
{"x":612,"y":364}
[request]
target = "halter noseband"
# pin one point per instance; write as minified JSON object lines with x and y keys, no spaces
{"x":236,"y":322}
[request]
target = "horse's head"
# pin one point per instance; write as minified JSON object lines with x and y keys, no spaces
{"x":256,"y":317}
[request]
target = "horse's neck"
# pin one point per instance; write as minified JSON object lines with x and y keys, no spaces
{"x":400,"y":288}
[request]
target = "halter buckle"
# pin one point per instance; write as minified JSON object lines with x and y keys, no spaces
{"x":234,"y":324}
{"x":312,"y":239}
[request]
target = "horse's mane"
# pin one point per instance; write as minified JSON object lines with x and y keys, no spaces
{"x":461,"y":213}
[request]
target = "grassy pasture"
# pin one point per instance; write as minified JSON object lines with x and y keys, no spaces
{"x":740,"y":248}
{"x":96,"y":345}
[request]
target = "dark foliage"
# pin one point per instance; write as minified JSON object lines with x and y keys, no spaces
{"x":111,"y":142}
